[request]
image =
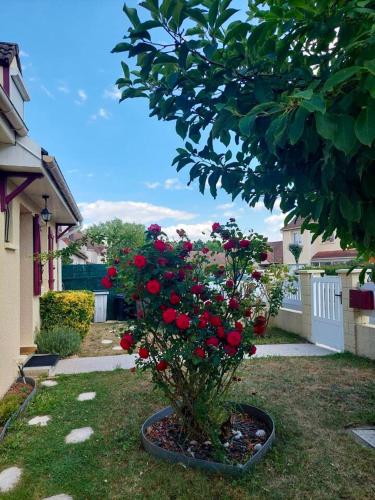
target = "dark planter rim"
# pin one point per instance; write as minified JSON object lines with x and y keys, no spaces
{"x":22,"y":407}
{"x":206,"y":465}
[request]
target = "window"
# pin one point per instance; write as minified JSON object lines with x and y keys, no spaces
{"x":296,"y":238}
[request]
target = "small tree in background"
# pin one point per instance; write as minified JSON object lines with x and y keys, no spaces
{"x":296,"y":250}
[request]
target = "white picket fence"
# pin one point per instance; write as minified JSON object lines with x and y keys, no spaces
{"x":293,"y":300}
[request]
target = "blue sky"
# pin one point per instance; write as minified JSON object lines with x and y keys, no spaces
{"x":117,"y":160}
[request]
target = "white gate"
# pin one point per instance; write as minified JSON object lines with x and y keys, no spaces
{"x":326,"y":310}
{"x":100,"y":307}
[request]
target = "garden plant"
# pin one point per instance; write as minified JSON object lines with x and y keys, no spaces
{"x":195,"y":322}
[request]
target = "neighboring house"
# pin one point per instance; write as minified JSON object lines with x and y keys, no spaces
{"x":27,"y":173}
{"x":276,"y":255}
{"x":87,"y":254}
{"x":317,"y":253}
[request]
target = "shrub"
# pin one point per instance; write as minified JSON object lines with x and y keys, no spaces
{"x":72,"y":309}
{"x":193,"y":327}
{"x":59,"y":340}
{"x":8,"y":405}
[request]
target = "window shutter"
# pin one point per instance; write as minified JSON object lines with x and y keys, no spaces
{"x":50,"y":260}
{"x":37,"y":266}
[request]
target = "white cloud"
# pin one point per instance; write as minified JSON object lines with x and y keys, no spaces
{"x":225,"y":206}
{"x":82,"y":97}
{"x":113,"y":93}
{"x":130,"y":211}
{"x":152,"y":185}
{"x":90,"y":174}
{"x":47,"y":91}
{"x":23,"y":53}
{"x":194,"y":231}
{"x":175,"y":184}
{"x":63,"y":88}
{"x":72,"y":171}
{"x":273,"y":225}
{"x":101,"y":113}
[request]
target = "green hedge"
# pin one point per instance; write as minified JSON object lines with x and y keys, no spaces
{"x":71,"y":309}
{"x":60,"y":340}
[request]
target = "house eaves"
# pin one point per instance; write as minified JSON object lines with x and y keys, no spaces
{"x":11,"y":114}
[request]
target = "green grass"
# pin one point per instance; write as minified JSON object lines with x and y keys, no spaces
{"x":311,"y":399}
{"x":276,"y":335}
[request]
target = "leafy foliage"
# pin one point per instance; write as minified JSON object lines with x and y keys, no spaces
{"x":287,"y":89}
{"x":70,"y":309}
{"x":194,"y":324}
{"x":296,"y":250}
{"x":59,"y":340}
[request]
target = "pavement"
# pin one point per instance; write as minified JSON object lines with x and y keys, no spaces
{"x":126,"y":361}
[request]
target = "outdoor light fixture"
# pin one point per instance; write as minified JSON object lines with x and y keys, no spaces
{"x":45,"y":213}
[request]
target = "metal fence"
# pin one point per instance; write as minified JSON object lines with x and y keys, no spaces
{"x":292,"y":299}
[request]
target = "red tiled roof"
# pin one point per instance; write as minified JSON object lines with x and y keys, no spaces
{"x":7,"y":52}
{"x":331,"y":254}
{"x":276,"y":256}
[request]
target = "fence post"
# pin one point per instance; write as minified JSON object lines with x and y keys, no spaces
{"x":352,"y":317}
{"x":306,"y":298}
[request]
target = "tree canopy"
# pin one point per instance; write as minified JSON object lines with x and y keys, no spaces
{"x":275,"y":101}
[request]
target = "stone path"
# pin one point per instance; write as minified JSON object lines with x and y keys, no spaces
{"x":9,"y":478}
{"x":86,"y":396}
{"x":42,"y":420}
{"x":79,"y":435}
{"x":126,"y":361}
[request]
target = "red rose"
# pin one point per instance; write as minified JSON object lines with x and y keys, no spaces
{"x":234,"y":338}
{"x":239,"y":326}
{"x":169,"y":247}
{"x":168,"y":275}
{"x":188,"y":267}
{"x":163,"y":307}
{"x":215,"y":321}
{"x":220,"y":332}
{"x":229,"y":245}
{"x":116,"y":260}
{"x":233,"y":303}
{"x":154,"y":228}
{"x":183,"y":321}
{"x":263,"y":256}
{"x":162,"y":261}
{"x":106,"y":282}
{"x":216,"y":227}
{"x":229,"y":284}
{"x":153,"y":286}
{"x":205,"y":250}
{"x":252,"y":350}
{"x":207,"y":304}
{"x":206,"y":315}
{"x":125,"y":250}
{"x":259,"y":329}
{"x":127,"y":341}
{"x":219,"y":298}
{"x":160,"y":245}
{"x":202,"y":323}
{"x":260,"y":320}
{"x":161,"y":365}
{"x":256,"y":275}
{"x":169,"y":315}
{"x":181,"y":275}
{"x":245,"y":243}
{"x":188,"y":246}
{"x":174,"y":298}
{"x":135,"y":296}
{"x":112,"y":272}
{"x":213,"y":341}
{"x":140,"y":261}
{"x":197,"y":289}
{"x":248,"y":312}
{"x":230,"y":350}
{"x":143,"y":352}
{"x":199,"y":352}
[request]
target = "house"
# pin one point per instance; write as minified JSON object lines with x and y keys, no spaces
{"x":36,"y":209}
{"x":275,"y":256}
{"x":89,"y":253}
{"x":319,"y":252}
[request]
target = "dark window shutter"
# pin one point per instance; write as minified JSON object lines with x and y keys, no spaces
{"x":50,"y":260}
{"x":36,"y":251}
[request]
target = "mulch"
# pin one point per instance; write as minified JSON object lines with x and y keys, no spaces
{"x":238,"y":438}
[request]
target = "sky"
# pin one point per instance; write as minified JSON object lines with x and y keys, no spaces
{"x":116,"y":159}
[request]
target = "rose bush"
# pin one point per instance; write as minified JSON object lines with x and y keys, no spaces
{"x":192,"y":331}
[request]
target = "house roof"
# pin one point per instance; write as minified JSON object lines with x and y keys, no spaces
{"x":335,"y":254}
{"x":8,"y":51}
{"x":294,"y":224}
{"x":276,"y":256}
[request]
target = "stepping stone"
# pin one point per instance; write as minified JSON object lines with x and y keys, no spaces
{"x":117,"y":348}
{"x":48,"y":383}
{"x":107,"y":341}
{"x":61,"y":496}
{"x":79,"y":435}
{"x":42,"y":420}
{"x":86,"y":396}
{"x":366,"y":435}
{"x":9,"y":478}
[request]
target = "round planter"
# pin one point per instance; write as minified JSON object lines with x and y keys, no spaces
{"x":209,"y":466}
{"x":32,"y":382}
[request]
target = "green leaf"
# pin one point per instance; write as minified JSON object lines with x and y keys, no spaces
{"x":246,"y":124}
{"x":370,"y":65}
{"x":165,"y":59}
{"x":316,"y":103}
{"x":132,"y":15}
{"x":224,"y":16}
{"x":297,"y":126}
{"x":121,"y":47}
{"x":340,"y":76}
{"x":365,"y":124}
{"x":213,"y":180}
{"x":344,"y":138}
{"x":212,"y":12}
{"x":350,"y":209}
{"x":326,"y":125}
{"x":198,"y":16}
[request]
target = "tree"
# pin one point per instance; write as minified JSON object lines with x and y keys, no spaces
{"x":116,"y":235}
{"x":296,"y":250}
{"x":277,"y":102}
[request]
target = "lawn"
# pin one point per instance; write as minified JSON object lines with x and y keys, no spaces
{"x":92,"y":344}
{"x":312,"y":400}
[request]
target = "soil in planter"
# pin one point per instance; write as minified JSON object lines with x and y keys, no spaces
{"x":239,"y":438}
{"x":12,"y":400}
